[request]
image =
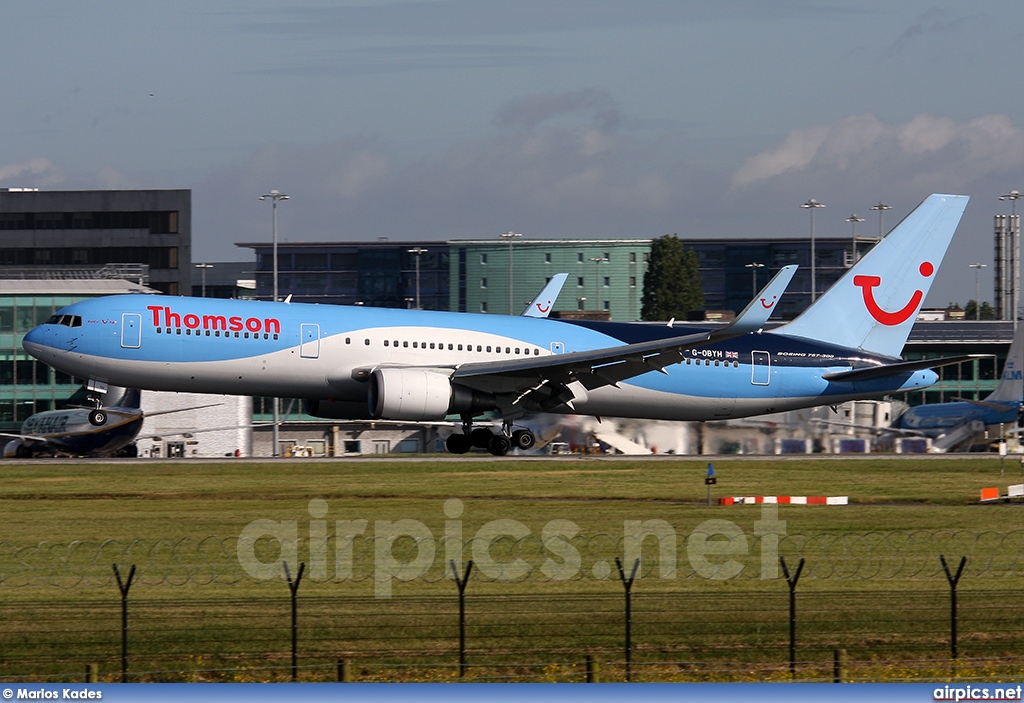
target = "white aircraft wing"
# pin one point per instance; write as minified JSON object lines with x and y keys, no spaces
{"x":26,"y":437}
{"x":550,"y":375}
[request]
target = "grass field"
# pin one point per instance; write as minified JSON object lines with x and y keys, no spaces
{"x":544,"y":535}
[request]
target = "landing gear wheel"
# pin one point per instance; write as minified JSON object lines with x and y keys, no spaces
{"x":97,"y":417}
{"x":499,"y":445}
{"x":523,"y":439}
{"x":23,"y":452}
{"x":481,"y":438}
{"x":457,"y":444}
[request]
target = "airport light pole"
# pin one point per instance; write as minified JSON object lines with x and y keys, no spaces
{"x":977,"y":288}
{"x":812,"y":205}
{"x":753,"y":266}
{"x":881,"y":208}
{"x":853,"y":220}
{"x":510,"y":236}
{"x":204,"y":267}
{"x":274,"y":196}
{"x":417,"y":251}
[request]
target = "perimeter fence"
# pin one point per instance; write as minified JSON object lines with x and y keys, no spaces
{"x":847,"y":557}
{"x":864,"y":607}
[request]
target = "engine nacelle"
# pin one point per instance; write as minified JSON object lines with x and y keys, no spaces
{"x":421,"y":394}
{"x":15,"y":449}
{"x":338,"y":409}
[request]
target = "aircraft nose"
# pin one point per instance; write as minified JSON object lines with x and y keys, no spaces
{"x":36,"y":340}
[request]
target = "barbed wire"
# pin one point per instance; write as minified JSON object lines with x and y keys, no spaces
{"x":717,"y":556}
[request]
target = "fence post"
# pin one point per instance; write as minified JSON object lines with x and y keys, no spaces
{"x":593,"y":670}
{"x":792,"y":581}
{"x":838,"y":665}
{"x":461,"y":582}
{"x":628,"y":585}
{"x":92,"y":674}
{"x":123,"y":586}
{"x":953,"y":580}
{"x":293,"y":586}
{"x":344,"y":675}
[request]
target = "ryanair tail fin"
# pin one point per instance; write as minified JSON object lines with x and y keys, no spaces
{"x":874,"y":305}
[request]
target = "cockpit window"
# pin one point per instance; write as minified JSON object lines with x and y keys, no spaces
{"x":66,"y":320}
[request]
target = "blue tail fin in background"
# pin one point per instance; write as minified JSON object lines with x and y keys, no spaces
{"x":1011,"y":383}
{"x":874,"y":305}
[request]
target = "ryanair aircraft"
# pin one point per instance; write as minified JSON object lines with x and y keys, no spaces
{"x":413,"y":365}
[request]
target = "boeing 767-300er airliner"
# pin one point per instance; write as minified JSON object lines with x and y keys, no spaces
{"x":414,"y":365}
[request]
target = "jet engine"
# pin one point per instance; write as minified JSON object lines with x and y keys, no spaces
{"x":421,"y":394}
{"x":15,"y":449}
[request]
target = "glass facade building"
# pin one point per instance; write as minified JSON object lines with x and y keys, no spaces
{"x":377,"y":274}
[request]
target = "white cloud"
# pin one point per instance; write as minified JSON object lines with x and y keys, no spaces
{"x":926,"y":149}
{"x":32,"y":173}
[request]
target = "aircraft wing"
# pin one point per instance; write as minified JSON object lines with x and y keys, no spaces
{"x":869,"y":372}
{"x":26,"y":437}
{"x":608,"y":366}
{"x":869,"y":428}
{"x":189,"y":433}
{"x":545,"y":300}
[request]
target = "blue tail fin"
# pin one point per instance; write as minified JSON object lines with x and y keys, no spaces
{"x":545,"y":300}
{"x":874,"y":305}
{"x":1011,"y":383}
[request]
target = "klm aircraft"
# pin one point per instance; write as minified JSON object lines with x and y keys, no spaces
{"x":413,"y":365}
{"x":1001,"y":407}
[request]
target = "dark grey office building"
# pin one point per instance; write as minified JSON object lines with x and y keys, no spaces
{"x":88,"y":229}
{"x":377,"y":274}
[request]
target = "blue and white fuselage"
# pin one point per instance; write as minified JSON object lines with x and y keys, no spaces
{"x":327,"y":353}
{"x":357,"y":362}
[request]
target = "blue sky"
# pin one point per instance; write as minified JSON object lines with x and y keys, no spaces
{"x":554,"y":118}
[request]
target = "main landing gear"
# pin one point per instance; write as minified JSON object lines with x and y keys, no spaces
{"x":498,"y":444}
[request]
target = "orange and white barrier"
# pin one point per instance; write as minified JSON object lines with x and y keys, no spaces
{"x":785,"y":500}
{"x":990,"y":494}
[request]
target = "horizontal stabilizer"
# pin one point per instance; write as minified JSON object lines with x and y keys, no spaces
{"x":870,"y":372}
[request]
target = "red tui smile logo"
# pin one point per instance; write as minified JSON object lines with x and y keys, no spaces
{"x":544,"y":310}
{"x":768,"y":305}
{"x":868,"y":283}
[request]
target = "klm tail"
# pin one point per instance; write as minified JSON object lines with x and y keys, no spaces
{"x":1011,"y":383}
{"x":874,"y":305}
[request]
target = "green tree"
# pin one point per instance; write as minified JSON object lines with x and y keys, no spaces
{"x":672,"y":283}
{"x":971,"y":311}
